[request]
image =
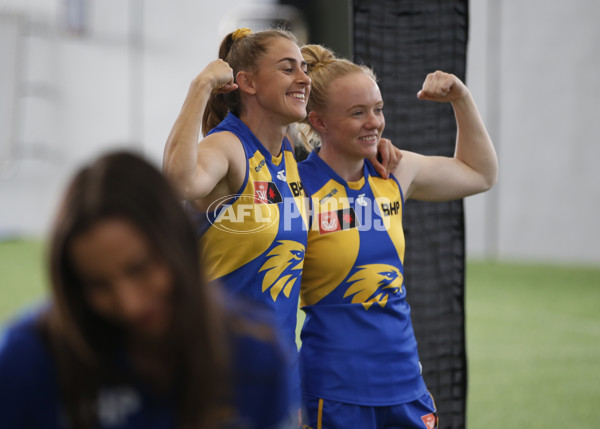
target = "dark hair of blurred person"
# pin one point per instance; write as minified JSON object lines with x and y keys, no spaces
{"x":133,"y":335}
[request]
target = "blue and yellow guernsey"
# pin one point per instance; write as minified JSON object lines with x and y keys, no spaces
{"x":358,"y":344}
{"x":253,"y":242}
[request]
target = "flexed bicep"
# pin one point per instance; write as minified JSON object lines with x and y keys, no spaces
{"x":473,"y":168}
{"x":194,"y":175}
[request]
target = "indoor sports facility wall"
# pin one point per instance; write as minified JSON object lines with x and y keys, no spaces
{"x":402,"y":42}
{"x":530,"y":67}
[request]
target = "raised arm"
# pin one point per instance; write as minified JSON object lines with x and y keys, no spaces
{"x":195,"y":168}
{"x":474,"y":167}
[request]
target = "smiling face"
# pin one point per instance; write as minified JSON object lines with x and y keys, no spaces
{"x":280,"y":83}
{"x":353,"y":120}
{"x":124,"y":280}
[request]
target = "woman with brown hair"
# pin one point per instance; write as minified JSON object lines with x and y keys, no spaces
{"x":241,"y":180}
{"x":132,"y":337}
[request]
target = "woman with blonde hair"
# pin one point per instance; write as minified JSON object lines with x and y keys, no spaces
{"x":359,"y":360}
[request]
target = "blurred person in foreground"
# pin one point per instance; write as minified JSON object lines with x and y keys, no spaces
{"x":131,"y":336}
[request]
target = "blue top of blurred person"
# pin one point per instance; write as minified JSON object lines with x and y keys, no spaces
{"x":30,"y":393}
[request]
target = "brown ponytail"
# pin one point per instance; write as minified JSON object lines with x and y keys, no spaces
{"x":242,"y":50}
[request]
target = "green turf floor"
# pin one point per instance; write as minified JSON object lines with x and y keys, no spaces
{"x":533,"y":337}
{"x":22,"y":276}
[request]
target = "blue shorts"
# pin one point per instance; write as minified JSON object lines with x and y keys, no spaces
{"x":325,"y":414}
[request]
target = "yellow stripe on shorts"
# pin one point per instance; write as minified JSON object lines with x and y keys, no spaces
{"x":320,"y":415}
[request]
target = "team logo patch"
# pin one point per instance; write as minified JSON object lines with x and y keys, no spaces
{"x":266,"y":193}
{"x":374,"y":283}
{"x":430,"y":421}
{"x":338,"y":220}
{"x":283,"y":267}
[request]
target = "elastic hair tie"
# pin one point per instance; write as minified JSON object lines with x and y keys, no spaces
{"x":240,"y":33}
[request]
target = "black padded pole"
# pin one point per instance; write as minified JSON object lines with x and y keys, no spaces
{"x":403,"y":41}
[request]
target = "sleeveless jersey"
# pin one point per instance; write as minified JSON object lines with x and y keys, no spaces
{"x":254,"y":242}
{"x":358,"y":344}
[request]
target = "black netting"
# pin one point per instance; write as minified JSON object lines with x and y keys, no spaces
{"x":403,"y":41}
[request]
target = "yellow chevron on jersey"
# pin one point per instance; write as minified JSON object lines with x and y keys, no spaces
{"x":338,"y":252}
{"x":339,"y":249}
{"x":390,"y":200}
{"x":242,"y":218}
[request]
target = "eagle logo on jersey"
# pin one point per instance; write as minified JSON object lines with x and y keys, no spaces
{"x":374,"y":283}
{"x":283,"y":267}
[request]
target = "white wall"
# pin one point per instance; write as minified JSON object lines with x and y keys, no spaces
{"x":539,"y":91}
{"x":531,"y":68}
{"x":119,"y":85}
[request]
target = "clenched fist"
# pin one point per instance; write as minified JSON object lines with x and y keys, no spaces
{"x":219,"y":76}
{"x":442,"y":87}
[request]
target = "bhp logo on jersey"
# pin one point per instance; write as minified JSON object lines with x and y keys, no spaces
{"x":266,"y":193}
{"x":337,"y":220}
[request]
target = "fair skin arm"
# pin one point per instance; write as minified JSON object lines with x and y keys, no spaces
{"x":197,"y":170}
{"x":474,"y":167}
